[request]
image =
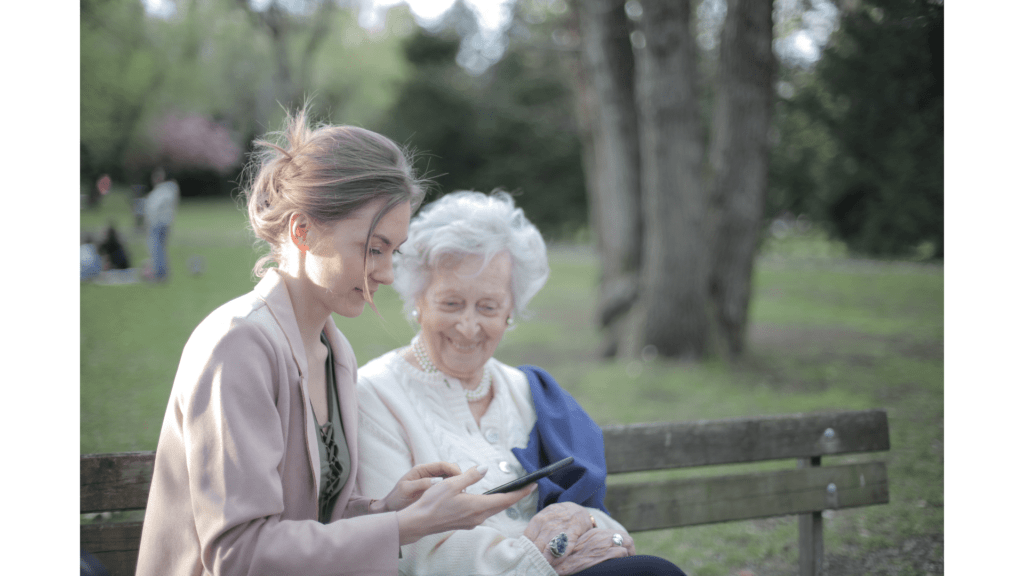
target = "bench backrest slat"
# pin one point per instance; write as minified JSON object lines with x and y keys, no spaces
{"x":121,"y":481}
{"x":687,"y":502}
{"x":115,"y":481}
{"x":115,"y":545}
{"x":663,"y":445}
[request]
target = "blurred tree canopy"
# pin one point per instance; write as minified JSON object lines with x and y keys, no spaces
{"x":218,"y":65}
{"x":860,"y":135}
{"x":856,"y":139}
{"x":511,"y":127}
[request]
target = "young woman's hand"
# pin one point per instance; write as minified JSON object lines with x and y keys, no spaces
{"x":445,"y":506}
{"x":410,"y":487}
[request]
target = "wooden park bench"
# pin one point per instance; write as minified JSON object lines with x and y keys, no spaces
{"x":121,"y":481}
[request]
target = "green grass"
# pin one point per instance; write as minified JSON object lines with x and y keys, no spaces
{"x":827,"y":333}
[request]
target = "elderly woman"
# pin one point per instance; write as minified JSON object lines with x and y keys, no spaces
{"x":469,"y":268}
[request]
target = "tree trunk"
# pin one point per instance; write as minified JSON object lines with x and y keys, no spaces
{"x":611,"y":158}
{"x":673,"y":315}
{"x":739,"y":161}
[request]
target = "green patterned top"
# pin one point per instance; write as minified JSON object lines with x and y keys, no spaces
{"x":335,"y":461}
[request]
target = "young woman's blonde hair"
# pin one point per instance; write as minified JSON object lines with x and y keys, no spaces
{"x":326,"y":173}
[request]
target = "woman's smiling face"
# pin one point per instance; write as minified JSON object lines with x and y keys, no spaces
{"x":464,"y":313}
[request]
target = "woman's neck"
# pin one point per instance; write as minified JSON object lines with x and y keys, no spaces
{"x":310,"y":315}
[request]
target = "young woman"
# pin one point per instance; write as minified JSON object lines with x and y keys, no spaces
{"x":258,"y":453}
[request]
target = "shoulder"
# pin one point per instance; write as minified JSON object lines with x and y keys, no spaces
{"x":378,"y":373}
{"x":246,"y":313}
{"x":239,"y":332}
{"x":514,"y":379}
{"x":380,"y":368}
{"x":514,"y":376}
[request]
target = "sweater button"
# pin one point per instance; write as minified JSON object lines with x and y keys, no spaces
{"x":492,"y":436}
{"x":504,"y":467}
{"x":512,"y":513}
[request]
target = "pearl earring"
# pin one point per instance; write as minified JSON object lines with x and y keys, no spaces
{"x":508,"y":321}
{"x":416,"y":314}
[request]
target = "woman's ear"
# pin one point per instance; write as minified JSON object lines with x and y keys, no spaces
{"x":299,"y":231}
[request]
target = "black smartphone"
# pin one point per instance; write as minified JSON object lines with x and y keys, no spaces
{"x":531,"y":477}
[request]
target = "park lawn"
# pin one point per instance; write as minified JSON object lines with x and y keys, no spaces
{"x":827,"y":333}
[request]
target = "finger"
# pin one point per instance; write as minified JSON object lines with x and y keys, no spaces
{"x":497,"y":502}
{"x":466,"y":479}
{"x":435,"y":469}
{"x":629,"y":545}
{"x":518,"y":495}
{"x":618,"y":552}
{"x":418,"y":487}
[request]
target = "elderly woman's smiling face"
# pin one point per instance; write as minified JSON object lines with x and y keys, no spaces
{"x":464,"y":313}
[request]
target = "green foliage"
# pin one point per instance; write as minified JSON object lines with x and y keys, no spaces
{"x":120,"y":70}
{"x":861,"y":141}
{"x":218,"y":60}
{"x":511,"y":127}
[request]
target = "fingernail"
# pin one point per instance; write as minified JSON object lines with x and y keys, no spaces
{"x":435,"y":480}
{"x":482,"y":470}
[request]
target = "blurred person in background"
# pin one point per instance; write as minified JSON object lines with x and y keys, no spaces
{"x":160,"y":206}
{"x":138,"y":202}
{"x":471,"y":265}
{"x":115,"y":257}
{"x":90,"y":264}
{"x":258,"y":455}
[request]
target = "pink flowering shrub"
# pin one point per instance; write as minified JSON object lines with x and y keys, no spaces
{"x":195,"y":141}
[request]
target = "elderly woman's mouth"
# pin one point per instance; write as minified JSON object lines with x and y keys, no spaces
{"x":464,"y":347}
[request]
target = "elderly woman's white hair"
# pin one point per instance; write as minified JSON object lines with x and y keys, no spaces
{"x":469,"y":223}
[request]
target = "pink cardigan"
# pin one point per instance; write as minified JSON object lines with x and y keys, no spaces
{"x":237,"y":469}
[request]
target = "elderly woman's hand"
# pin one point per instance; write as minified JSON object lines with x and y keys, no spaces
{"x":547,"y":524}
{"x":594,"y":547}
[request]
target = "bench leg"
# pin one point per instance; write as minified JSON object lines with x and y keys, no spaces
{"x":812,"y":545}
{"x":812,"y":549}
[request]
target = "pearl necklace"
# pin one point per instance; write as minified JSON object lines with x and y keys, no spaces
{"x":475,"y":395}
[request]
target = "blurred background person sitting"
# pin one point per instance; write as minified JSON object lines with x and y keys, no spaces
{"x":90,"y":262}
{"x":113,"y":252}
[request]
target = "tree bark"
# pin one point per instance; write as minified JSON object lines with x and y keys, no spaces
{"x":611,"y":158}
{"x":673,"y":314}
{"x":739,"y":161}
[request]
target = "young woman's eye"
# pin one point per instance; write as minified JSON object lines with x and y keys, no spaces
{"x":375,"y":252}
{"x":396,"y":251}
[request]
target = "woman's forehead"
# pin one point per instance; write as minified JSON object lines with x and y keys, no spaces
{"x":469,"y":272}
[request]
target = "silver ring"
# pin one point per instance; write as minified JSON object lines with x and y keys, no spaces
{"x":617,"y":539}
{"x":558,"y":545}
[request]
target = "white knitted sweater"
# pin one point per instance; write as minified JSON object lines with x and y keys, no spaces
{"x":409,"y":417}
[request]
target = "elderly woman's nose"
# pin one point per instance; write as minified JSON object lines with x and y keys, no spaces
{"x":468,"y":324}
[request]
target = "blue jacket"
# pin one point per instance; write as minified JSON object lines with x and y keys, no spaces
{"x":563,"y":429}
